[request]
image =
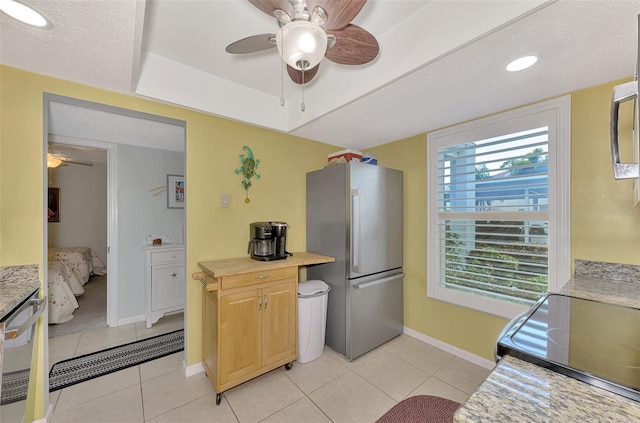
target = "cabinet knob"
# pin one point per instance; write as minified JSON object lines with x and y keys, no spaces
{"x":268,"y":275}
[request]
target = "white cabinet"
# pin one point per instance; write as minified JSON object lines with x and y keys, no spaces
{"x":165,"y":274}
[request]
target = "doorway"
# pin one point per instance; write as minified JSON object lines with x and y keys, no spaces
{"x":77,"y":230}
{"x":140,"y":150}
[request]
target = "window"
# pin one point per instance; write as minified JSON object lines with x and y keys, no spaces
{"x":498,"y":209}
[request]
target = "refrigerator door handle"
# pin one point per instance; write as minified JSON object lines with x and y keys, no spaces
{"x":355,"y":230}
{"x":379,"y":281}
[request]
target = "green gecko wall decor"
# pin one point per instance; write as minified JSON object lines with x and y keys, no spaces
{"x":248,"y":170}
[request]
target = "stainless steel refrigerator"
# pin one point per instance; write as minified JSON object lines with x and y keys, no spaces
{"x":354,"y":213}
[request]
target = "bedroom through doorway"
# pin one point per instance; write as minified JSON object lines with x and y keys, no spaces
{"x":77,"y":238}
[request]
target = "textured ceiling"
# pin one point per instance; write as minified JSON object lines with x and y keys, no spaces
{"x":91,"y":42}
{"x":440,"y":62}
{"x":69,"y":122}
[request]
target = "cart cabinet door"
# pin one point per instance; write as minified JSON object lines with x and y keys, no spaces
{"x":239,"y":334}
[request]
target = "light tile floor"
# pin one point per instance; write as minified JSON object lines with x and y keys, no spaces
{"x":328,"y":389}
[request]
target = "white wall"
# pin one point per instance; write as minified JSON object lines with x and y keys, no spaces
{"x":141,"y":213}
{"x":83,"y":208}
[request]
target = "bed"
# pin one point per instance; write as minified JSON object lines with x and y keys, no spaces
{"x":82,"y":261}
{"x":63,"y":287}
{"x":68,"y":270}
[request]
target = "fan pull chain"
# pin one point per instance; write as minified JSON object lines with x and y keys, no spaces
{"x":302,"y":105}
{"x":282,"y":79}
{"x":282,"y":83}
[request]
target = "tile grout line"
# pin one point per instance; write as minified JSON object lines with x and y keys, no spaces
{"x":144,"y":418}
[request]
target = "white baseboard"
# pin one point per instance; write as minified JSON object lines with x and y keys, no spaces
{"x":194,"y":369}
{"x":134,"y":319}
{"x":465,"y":355}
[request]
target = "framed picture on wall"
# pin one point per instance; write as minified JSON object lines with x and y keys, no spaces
{"x":175,"y":192}
{"x":53,"y":208}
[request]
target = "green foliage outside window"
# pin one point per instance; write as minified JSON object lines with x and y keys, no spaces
{"x":500,"y":269}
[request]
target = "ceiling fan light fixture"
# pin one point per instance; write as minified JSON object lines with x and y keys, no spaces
{"x":301,"y":44}
{"x":24,"y":13}
{"x":53,"y":161}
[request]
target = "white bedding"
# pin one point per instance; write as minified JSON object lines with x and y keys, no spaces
{"x":68,"y":270}
{"x":63,"y":286}
{"x":82,"y":261}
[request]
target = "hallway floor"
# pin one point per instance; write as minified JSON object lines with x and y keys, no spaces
{"x":77,"y":344}
{"x":329,"y":389}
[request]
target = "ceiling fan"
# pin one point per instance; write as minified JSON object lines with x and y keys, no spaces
{"x":55,"y":159}
{"x":310,"y":30}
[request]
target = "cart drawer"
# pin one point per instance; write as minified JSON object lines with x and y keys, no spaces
{"x":244,"y":279}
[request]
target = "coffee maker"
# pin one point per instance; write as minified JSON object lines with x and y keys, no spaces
{"x":268,"y":241}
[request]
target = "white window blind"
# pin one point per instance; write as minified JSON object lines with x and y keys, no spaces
{"x":493,"y":219}
{"x":498,"y":209}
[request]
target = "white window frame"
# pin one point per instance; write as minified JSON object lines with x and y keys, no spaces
{"x":556,"y":114}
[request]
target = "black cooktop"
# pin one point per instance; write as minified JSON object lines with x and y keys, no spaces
{"x":594,"y":342}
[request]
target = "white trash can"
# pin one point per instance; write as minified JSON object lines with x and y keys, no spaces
{"x":312,"y":319}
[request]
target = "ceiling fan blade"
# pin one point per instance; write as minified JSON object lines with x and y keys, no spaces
{"x":268,"y":6}
{"x":354,"y":46}
{"x":339,"y":12}
{"x":77,"y":162}
{"x":252,"y":44}
{"x":297,"y":76}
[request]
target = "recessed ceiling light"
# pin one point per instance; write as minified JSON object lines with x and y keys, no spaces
{"x":522,"y":63}
{"x":24,"y":13}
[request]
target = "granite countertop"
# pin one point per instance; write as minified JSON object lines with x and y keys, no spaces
{"x":519,"y":391}
{"x":613,"y":292}
{"x":17,"y":283}
{"x":606,"y":282}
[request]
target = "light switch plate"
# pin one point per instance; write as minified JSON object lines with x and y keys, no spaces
{"x":224,"y":200}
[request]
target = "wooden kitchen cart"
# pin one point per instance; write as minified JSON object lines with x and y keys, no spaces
{"x":250,"y":316}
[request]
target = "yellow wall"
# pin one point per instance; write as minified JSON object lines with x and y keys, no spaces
{"x":605,"y":226}
{"x":213,"y":147}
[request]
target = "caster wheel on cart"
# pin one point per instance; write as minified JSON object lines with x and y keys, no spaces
{"x":218,"y":399}
{"x":288,"y":366}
